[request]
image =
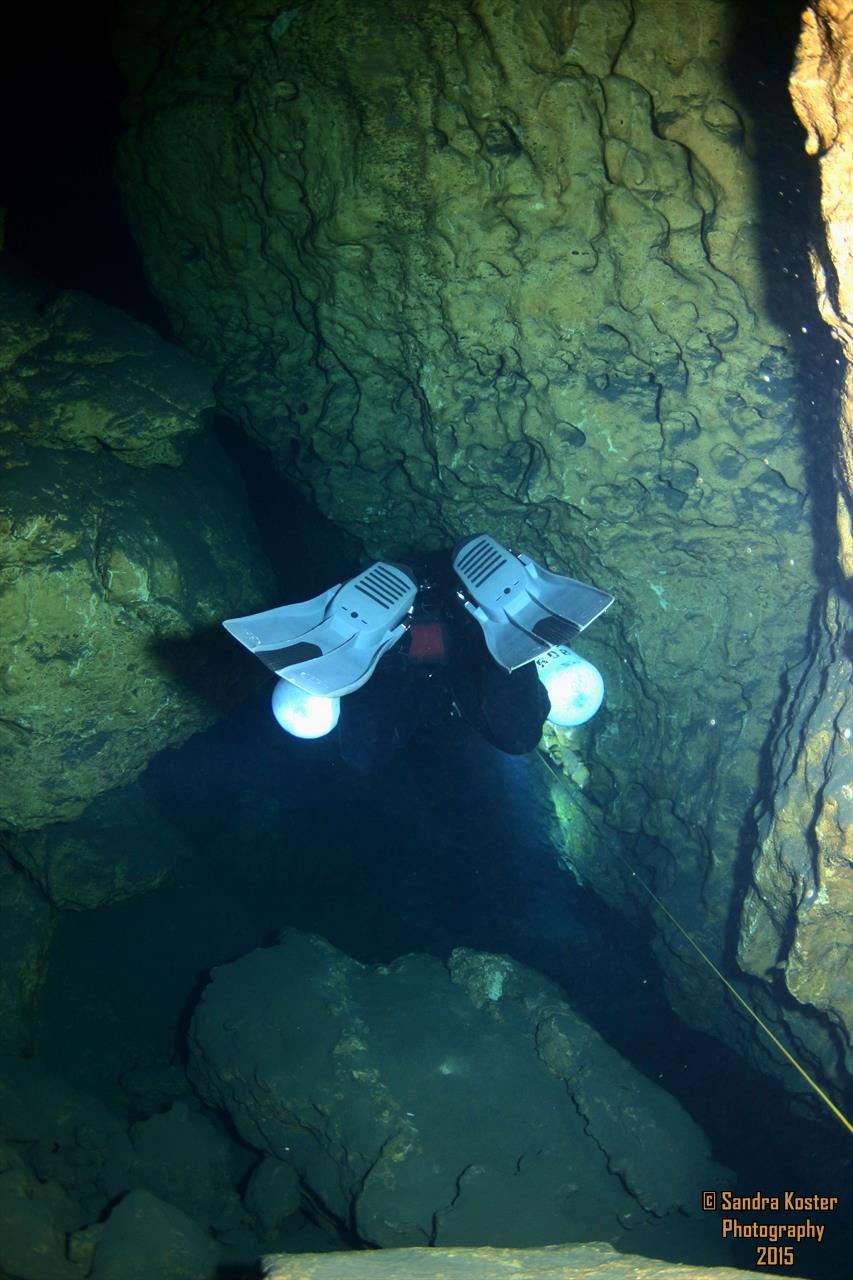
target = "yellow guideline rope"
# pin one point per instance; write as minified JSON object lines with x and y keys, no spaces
{"x":709,"y":962}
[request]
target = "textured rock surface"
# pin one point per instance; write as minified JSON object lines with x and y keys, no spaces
{"x":796,"y":918}
{"x":121,"y":845}
{"x":419,"y":1103}
{"x":502,"y":268}
{"x":78,"y":374}
{"x":273,"y":1193}
{"x":54,"y":1141}
{"x":34,"y":1218}
{"x":822,"y":91}
{"x":560,"y":1262}
{"x":144,"y":1236}
{"x":80,"y":1195}
{"x":181,"y":1157}
{"x":113,"y":576}
{"x":26,"y":926}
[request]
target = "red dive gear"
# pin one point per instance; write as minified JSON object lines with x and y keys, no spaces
{"x":428,"y":642}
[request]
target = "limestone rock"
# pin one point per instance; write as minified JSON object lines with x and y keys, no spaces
{"x":122,"y":845}
{"x":64,"y":1162}
{"x":150,"y":1090}
{"x":114,"y":581}
{"x":78,"y":374}
{"x":658,"y":1152}
{"x":418,"y":1104}
{"x":179,"y":1156}
{"x":144,"y":1237}
{"x":795,"y":922}
{"x":32,"y":1240}
{"x":61,"y":1134}
{"x":822,"y":92}
{"x":273,"y":1193}
{"x":26,"y":926}
{"x":558,"y":1262}
{"x":796,"y":915}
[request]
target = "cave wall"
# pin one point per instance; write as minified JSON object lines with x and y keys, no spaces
{"x":124,"y":537}
{"x":795,"y":922}
{"x":500,"y":267}
{"x":822,"y":94}
{"x":114,"y":557}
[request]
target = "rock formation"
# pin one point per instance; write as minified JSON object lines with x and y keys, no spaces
{"x":116,"y":562}
{"x":822,"y":93}
{"x":26,"y":926}
{"x":508,"y":269}
{"x":796,"y":917}
{"x":558,"y":1262}
{"x":419,"y":1103}
{"x":82,"y":1194}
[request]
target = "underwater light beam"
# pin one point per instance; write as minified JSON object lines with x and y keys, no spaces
{"x":575,"y":686}
{"x":305,"y":715}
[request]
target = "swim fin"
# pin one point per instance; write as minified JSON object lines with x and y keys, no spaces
{"x":523,"y":609}
{"x":330,"y":645}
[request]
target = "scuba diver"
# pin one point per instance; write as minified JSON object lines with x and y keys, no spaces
{"x":484,"y":637}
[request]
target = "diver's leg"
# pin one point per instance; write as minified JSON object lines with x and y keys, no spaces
{"x":507,"y":708}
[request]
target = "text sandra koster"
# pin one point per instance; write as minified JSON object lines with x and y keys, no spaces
{"x":789,"y":1200}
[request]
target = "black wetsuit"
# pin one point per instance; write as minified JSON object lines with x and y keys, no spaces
{"x":440,"y":668}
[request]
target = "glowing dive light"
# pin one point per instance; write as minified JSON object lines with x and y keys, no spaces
{"x":574,"y":686}
{"x":305,"y":715}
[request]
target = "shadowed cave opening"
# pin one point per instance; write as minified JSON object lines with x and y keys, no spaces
{"x":445,"y":849}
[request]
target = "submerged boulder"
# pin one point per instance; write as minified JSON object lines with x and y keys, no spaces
{"x":144,"y":1237}
{"x":180,"y":1156}
{"x":63,"y":1131}
{"x":34,"y":1219}
{"x":120,"y":846}
{"x":424,"y":1103}
{"x":82,"y":1195}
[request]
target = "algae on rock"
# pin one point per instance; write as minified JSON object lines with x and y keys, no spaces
{"x":113,"y":576}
